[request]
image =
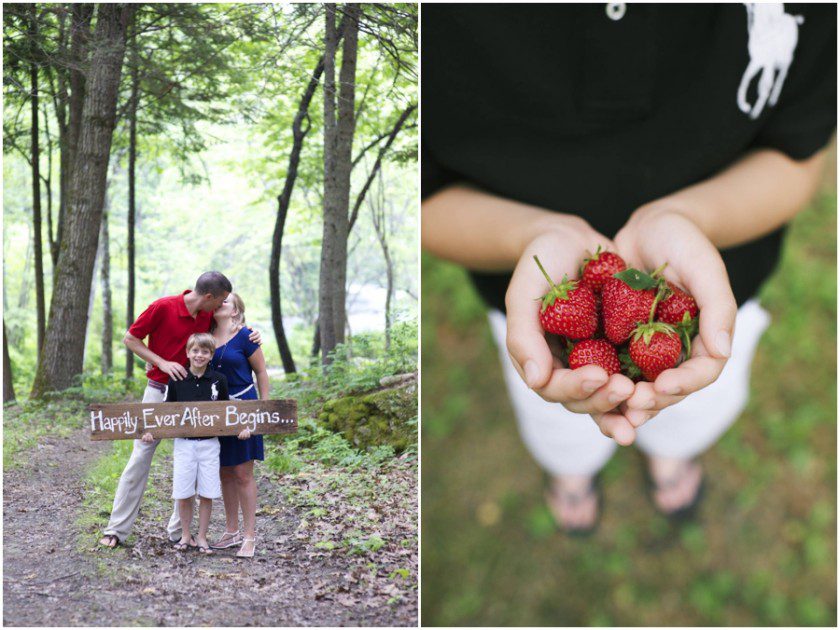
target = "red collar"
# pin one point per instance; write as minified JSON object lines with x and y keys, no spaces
{"x":183,"y":311}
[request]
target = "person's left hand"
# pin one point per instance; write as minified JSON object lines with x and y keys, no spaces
{"x":244,"y":434}
{"x":657,"y":235}
{"x":255,"y":336}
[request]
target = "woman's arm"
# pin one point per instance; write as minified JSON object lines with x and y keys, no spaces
{"x":257,"y":361}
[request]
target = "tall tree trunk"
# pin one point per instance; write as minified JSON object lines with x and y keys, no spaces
{"x":380,"y":225}
{"x":316,"y":339}
{"x":61,"y":360}
{"x":132,"y":205}
{"x":338,"y":146}
{"x":283,"y":201}
{"x":36,"y":182}
{"x":80,"y":23}
{"x":48,"y":187}
{"x":107,"y":358}
{"x":8,"y":384}
{"x":92,"y":296}
{"x":23,"y":297}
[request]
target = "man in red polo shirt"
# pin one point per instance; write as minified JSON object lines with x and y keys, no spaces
{"x":168,"y":323}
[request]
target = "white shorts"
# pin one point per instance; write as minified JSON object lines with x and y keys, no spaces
{"x":566,"y":443}
{"x":196,"y":464}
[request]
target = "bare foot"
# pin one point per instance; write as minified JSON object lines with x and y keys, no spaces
{"x":109,"y":540}
{"x":676,"y":481}
{"x":573,"y":502}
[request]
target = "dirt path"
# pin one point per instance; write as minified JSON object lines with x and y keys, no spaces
{"x":49,"y":581}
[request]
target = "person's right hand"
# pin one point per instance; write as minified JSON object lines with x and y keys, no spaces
{"x":148,"y":438}
{"x":176,"y":371}
{"x":561,"y":248}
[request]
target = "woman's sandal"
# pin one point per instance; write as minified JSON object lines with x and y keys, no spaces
{"x":183,"y":546}
{"x":205,"y":550}
{"x":551,"y":494}
{"x":686,"y":512}
{"x":228,"y":539}
{"x":247,"y":554}
{"x":113,"y":541}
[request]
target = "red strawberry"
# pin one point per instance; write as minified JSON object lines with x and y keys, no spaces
{"x":598,"y":352}
{"x":671,"y":309}
{"x":600,"y":267}
{"x":625,"y":306}
{"x":568,"y":308}
{"x":654,"y":348}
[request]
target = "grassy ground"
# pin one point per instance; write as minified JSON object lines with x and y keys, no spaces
{"x":763,"y":548}
{"x":337,"y":527}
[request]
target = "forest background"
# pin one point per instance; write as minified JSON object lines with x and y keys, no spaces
{"x":276,"y":143}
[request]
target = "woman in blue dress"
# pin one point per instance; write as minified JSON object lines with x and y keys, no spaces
{"x":237,"y":358}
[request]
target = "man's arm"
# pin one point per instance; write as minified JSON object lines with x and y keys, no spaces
{"x":175,"y":371}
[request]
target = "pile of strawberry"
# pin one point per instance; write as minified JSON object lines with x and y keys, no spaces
{"x":619,"y":318}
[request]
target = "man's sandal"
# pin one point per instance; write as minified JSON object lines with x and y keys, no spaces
{"x":247,"y":554}
{"x":183,"y":546}
{"x":228,"y":540}
{"x":110,"y":541}
{"x":687,"y":511}
{"x":553,"y":495}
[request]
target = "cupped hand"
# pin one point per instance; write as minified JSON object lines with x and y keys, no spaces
{"x":561,"y":247}
{"x":654,"y":236}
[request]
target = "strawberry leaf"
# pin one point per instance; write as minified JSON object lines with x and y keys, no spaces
{"x":635,"y":279}
{"x":628,"y":368}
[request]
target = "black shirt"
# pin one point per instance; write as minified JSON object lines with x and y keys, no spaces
{"x":560,"y":106}
{"x":210,"y":386}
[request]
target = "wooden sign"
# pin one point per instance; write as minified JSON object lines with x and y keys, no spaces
{"x":129,"y":421}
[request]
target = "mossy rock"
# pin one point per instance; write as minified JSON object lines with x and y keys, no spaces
{"x":384,"y":417}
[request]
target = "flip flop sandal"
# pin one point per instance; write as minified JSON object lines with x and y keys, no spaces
{"x":573,"y":498}
{"x":179,"y":546}
{"x":203,"y":549}
{"x":228,"y":540}
{"x":688,"y":511}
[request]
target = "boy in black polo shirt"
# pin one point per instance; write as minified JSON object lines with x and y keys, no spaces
{"x":196,"y":459}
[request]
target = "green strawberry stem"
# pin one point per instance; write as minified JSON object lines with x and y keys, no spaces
{"x":544,"y":272}
{"x":661,"y":292}
{"x":658,"y":271}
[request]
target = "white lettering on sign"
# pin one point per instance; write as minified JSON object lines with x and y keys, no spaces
{"x":124,"y":423}
{"x":191,"y":416}
{"x":253,"y":419}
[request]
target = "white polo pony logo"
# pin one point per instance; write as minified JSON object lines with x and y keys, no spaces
{"x":214,"y":392}
{"x":773,"y":35}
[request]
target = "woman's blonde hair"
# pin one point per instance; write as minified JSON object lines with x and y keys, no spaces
{"x":239,"y":305}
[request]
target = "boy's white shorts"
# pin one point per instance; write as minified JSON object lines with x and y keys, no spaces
{"x":196,"y":468}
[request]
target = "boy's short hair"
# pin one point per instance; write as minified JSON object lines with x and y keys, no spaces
{"x":202,"y":340}
{"x":213,"y":282}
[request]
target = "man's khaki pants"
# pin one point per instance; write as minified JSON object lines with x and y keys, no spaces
{"x":133,"y":484}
